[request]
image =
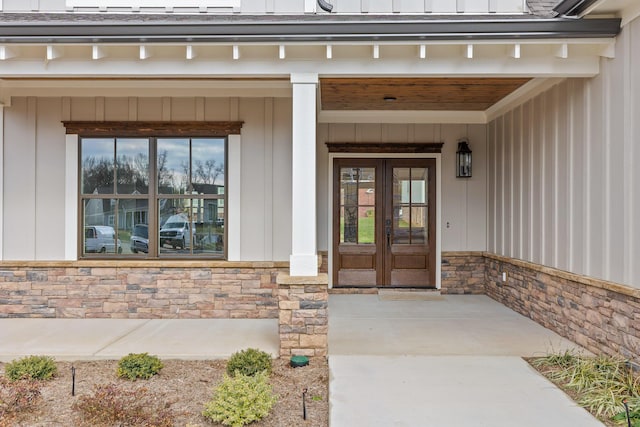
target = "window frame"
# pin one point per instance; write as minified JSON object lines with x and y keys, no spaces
{"x":152,"y":131}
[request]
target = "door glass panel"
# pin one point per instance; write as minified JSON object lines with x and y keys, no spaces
{"x":410,"y":212}
{"x":357,"y":205}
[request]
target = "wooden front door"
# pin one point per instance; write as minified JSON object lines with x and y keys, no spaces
{"x":384,"y":222}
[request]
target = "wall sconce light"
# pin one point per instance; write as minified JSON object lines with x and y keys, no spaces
{"x":463,"y":159}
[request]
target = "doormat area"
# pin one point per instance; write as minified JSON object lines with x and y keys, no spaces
{"x":409,"y":295}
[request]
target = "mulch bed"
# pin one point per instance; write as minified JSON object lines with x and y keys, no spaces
{"x":185,"y":387}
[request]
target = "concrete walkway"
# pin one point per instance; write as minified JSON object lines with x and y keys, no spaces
{"x":441,"y":361}
{"x":87,"y":339}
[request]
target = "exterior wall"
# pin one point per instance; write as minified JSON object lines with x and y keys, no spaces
{"x":34,"y":164}
{"x":463,"y":273}
{"x":563,"y":188}
{"x":297,"y":6}
{"x":600,"y":316}
{"x":463,"y":199}
{"x":136,"y":290}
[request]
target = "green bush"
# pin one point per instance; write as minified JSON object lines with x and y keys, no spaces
{"x":138,"y":365}
{"x":111,"y":405}
{"x":249,"y":362}
{"x":17,"y":398}
{"x":31,"y":367}
{"x":241,"y":400}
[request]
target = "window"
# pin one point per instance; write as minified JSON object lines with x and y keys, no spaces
{"x":153,"y":196}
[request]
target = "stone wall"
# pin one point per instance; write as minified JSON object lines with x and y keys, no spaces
{"x":147,"y":290}
{"x":601,"y":316}
{"x":463,"y":273}
{"x":304,"y":315}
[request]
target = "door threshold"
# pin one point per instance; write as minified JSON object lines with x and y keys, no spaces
{"x":410,"y":295}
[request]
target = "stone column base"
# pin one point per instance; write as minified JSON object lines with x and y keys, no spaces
{"x":303,"y":315}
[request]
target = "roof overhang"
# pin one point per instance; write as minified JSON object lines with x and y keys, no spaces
{"x":64,"y":28}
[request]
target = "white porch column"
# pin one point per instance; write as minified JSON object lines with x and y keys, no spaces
{"x":1,"y":177}
{"x":304,"y":258}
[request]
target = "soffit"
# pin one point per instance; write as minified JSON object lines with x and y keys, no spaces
{"x":433,"y":94}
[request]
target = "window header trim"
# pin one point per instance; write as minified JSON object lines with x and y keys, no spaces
{"x":150,"y":129}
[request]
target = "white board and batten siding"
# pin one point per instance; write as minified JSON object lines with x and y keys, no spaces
{"x":563,"y":181}
{"x":33,"y":218}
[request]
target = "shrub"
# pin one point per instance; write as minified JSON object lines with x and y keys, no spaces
{"x":249,"y":362}
{"x":111,"y":405}
{"x":31,"y":367}
{"x":17,"y":397}
{"x":138,"y":365}
{"x":241,"y":400}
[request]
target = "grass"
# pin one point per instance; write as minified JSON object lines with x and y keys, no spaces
{"x":599,"y":384}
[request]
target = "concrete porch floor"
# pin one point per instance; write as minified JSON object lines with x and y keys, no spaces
{"x":454,"y":360}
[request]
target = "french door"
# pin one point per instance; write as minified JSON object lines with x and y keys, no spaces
{"x":384,"y":222}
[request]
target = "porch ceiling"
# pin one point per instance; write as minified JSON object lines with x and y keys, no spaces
{"x":433,"y":94}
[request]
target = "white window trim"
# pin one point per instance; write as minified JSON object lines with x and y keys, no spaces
{"x":71,"y":198}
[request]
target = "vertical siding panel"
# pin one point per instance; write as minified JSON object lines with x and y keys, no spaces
{"x":595,"y":173}
{"x":615,"y":158}
{"x":491,"y":187}
{"x":116,"y":109}
{"x":267,"y":182}
{"x":282,"y":164}
{"x":83,"y":109}
{"x":476,"y":212}
{"x":562,"y":168}
{"x":19,"y":194}
{"x":149,"y":109}
{"x":50,"y":185}
{"x":252,"y":197}
{"x":516,"y":174}
{"x":549,"y":183}
{"x":453,"y":192}
{"x":323,"y":202}
{"x":217,"y":109}
{"x":368,"y":132}
{"x":577,"y":176}
{"x":634,"y":183}
{"x":525,"y":216}
{"x":183,"y":108}
{"x":537,"y":170}
{"x":507,"y":177}
{"x":499,"y":186}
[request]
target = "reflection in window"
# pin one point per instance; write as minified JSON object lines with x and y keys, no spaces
{"x":357,"y":205}
{"x":119,"y":212}
{"x":410,"y":208}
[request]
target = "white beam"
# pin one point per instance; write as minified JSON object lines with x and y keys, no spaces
{"x":329,"y":52}
{"x":98,"y":52}
{"x":376,"y":51}
{"x":304,"y":259}
{"x":236,"y":52}
{"x":54,"y":52}
{"x":405,"y":116}
{"x":282,"y":53}
{"x":548,"y":66}
{"x":520,"y":96}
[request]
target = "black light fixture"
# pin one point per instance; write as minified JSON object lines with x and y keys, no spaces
{"x":463,"y":159}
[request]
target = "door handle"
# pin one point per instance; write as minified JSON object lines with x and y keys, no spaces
{"x":388,"y":232}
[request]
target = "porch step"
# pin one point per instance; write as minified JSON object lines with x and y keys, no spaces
{"x":409,"y":295}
